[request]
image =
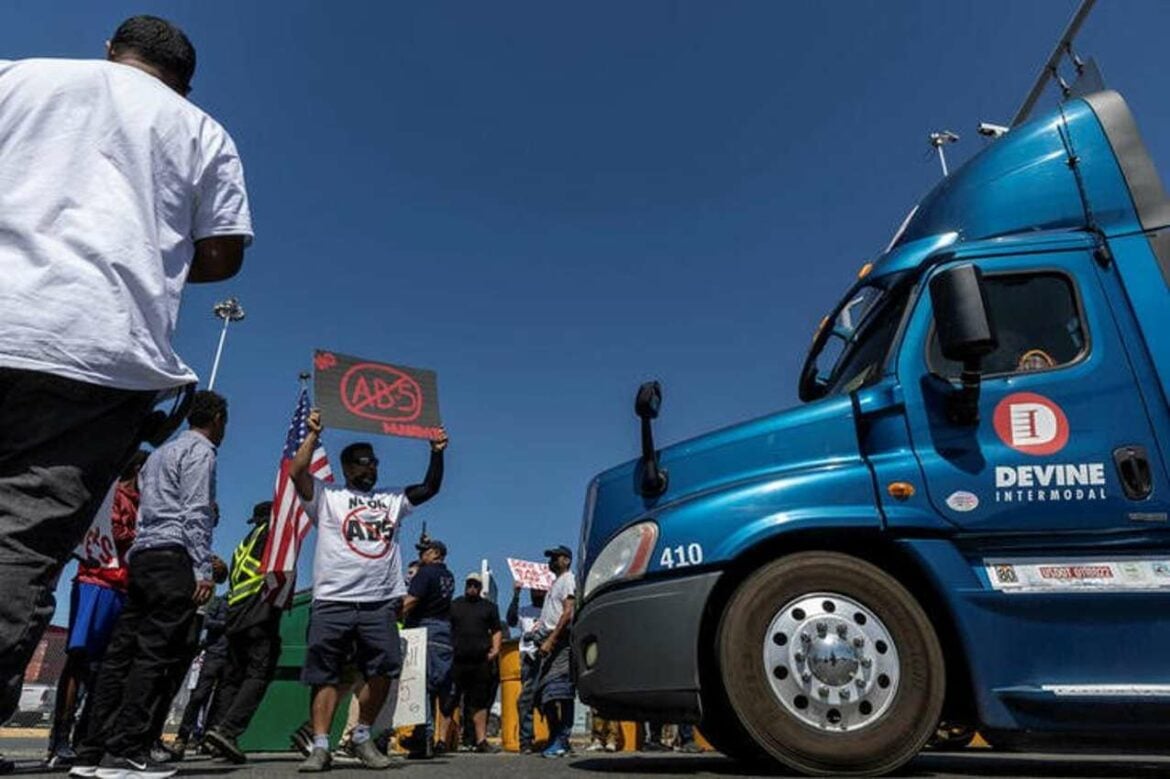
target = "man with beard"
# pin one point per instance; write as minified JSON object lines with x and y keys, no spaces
{"x":554,"y":686}
{"x":477,"y":633}
{"x":357,"y":577}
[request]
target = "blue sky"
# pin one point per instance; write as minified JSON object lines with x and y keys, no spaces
{"x":548,"y":203}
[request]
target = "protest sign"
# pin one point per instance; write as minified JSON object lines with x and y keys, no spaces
{"x":534,"y":576}
{"x":97,"y":547}
{"x":376,"y":397}
{"x":412,"y":685}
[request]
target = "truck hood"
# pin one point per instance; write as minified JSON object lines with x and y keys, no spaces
{"x":811,"y":438}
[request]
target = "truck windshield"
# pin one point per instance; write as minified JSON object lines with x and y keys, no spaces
{"x":854,"y":353}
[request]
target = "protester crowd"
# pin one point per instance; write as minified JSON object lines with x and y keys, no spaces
{"x":115,"y":191}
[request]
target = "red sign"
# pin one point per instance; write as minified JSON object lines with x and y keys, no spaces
{"x":376,"y":397}
{"x":1031,"y":424}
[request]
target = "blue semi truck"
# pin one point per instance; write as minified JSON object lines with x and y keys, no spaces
{"x":967,"y":519}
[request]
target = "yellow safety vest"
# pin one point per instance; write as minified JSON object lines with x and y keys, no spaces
{"x":246,"y":579}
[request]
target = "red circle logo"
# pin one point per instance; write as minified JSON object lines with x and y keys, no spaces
{"x":1031,"y":424}
{"x":368,"y":532}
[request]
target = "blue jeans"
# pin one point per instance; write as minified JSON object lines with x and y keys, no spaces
{"x":529,"y":666}
{"x":560,"y":715}
{"x":440,"y":662}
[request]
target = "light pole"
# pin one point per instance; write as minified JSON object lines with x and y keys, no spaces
{"x":940,"y":139}
{"x":229,"y":311}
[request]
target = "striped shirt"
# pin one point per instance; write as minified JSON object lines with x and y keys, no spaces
{"x":178,"y":496}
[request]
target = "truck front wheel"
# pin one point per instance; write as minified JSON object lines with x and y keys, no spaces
{"x":831,"y":665}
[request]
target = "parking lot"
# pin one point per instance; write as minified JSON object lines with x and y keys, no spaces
{"x":26,"y":746}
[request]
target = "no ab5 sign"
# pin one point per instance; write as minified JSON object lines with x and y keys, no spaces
{"x":376,"y":397}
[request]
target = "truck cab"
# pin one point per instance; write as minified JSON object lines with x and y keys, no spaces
{"x":967,"y":519}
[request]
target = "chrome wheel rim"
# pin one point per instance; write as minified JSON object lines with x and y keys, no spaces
{"x":831,"y":663}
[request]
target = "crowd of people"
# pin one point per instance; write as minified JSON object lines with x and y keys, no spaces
{"x":145,"y":192}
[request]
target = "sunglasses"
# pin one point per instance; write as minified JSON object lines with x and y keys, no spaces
{"x":371,"y":460}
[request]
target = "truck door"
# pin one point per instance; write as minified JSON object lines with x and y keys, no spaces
{"x":1064,"y":444}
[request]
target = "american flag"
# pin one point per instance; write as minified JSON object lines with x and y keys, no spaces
{"x":290,"y":524}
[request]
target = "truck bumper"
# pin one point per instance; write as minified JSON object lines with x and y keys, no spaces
{"x":643,"y":642}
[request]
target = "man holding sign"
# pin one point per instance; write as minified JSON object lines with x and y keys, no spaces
{"x":357,"y":573}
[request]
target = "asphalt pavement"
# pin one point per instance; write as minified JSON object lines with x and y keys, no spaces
{"x":28,"y":753}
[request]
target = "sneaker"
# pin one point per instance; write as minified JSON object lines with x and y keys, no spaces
{"x":595,"y":746}
{"x":690,"y":747}
{"x":62,"y":757}
{"x":655,"y":746}
{"x":85,"y":766}
{"x":424,"y":751}
{"x":556,"y":749}
{"x":301,"y":740}
{"x":345,"y":748}
{"x":439,"y":749}
{"x":370,"y":756}
{"x":611,"y":748}
{"x":226,"y":746}
{"x":318,"y":760}
{"x":526,"y":749}
{"x":484,"y":748}
{"x":140,"y":767}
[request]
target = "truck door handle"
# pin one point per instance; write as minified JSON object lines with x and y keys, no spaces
{"x":1133,"y":466}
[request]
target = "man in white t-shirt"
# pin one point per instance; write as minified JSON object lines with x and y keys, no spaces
{"x":114,"y":192}
{"x":357,"y":581}
{"x":554,"y":686}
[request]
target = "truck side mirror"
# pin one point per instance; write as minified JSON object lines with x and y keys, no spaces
{"x":652,"y":478}
{"x":648,"y":400}
{"x":965,"y":333}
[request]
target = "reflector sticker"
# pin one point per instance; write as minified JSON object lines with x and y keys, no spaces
{"x":1064,"y":575}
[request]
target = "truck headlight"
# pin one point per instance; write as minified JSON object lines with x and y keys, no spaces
{"x":624,"y":557}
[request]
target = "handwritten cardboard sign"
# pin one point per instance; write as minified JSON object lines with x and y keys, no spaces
{"x":376,"y":397}
{"x":534,"y":576}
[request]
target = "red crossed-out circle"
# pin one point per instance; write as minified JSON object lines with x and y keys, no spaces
{"x":1031,"y":423}
{"x":385,"y":540}
{"x":380,"y":392}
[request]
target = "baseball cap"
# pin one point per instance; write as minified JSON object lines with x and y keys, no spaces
{"x":433,"y":543}
{"x":474,"y":577}
{"x":261,"y":512}
{"x":559,"y":550}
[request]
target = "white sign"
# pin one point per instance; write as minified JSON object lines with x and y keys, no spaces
{"x":1064,"y":575}
{"x":534,"y":576}
{"x":412,"y":685}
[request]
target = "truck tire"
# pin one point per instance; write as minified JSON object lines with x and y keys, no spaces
{"x":729,"y":738}
{"x":831,"y":665}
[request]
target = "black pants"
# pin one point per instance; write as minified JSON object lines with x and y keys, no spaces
{"x":210,"y":678}
{"x":62,"y":444}
{"x":150,"y":638}
{"x":175,"y":676}
{"x":252,"y":655}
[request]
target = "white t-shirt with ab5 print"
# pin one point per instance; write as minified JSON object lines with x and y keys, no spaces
{"x":357,"y":559}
